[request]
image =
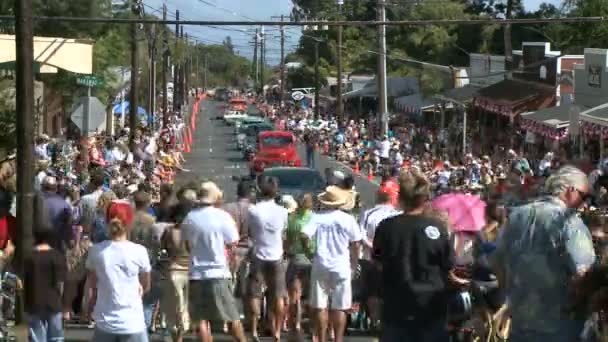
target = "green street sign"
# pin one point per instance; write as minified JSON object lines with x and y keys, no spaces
{"x":89,"y":81}
{"x":8,"y":69}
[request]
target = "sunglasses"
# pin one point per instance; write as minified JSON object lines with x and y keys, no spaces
{"x":585,"y":196}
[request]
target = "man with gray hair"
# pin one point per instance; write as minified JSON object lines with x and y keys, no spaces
{"x":542,"y":250}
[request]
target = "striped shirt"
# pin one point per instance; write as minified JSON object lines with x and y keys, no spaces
{"x":370,"y":221}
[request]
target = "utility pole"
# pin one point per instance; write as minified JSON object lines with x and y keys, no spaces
{"x":205,"y":76}
{"x":508,"y":42}
{"x":152,"y":74}
{"x":176,"y":66}
{"x":317,"y":107}
{"x":24,"y":29}
{"x":133,"y":102}
{"x":263,"y":59}
{"x":187,"y":68}
{"x":165,"y":69}
{"x":196,"y":68}
{"x":383,"y":102}
{"x":339,"y":107}
{"x":182,"y":67}
{"x":282,"y":63}
{"x":255,"y":61}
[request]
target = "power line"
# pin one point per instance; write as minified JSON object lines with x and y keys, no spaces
{"x":439,"y":22}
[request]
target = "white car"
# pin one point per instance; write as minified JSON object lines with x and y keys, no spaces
{"x":232,"y":116}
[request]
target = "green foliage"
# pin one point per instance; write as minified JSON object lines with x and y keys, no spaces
{"x":225,"y":68}
{"x":8,"y":119}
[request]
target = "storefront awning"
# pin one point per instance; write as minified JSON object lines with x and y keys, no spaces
{"x":512,"y":97}
{"x":395,"y":87}
{"x":594,"y":121}
{"x":461,"y":95}
{"x":414,"y":104}
{"x":549,"y":122}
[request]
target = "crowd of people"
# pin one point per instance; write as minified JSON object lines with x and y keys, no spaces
{"x":119,"y":247}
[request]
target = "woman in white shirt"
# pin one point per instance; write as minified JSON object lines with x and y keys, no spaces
{"x":120,"y":271}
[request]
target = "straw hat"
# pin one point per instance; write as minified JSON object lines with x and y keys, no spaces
{"x":210,"y":193}
{"x":289,"y":203}
{"x":334,"y":197}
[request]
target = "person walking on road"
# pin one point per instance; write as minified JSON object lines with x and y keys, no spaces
{"x":120,"y":271}
{"x":268,"y":222}
{"x":336,"y":235}
{"x":541,"y":252}
{"x":209,"y":231}
{"x":45,"y":271}
{"x":298,"y":271}
{"x":414,"y":255}
{"x":239,"y":211}
{"x":311,"y":142}
{"x":371,"y":278}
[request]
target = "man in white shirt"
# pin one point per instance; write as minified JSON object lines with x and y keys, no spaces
{"x":267,"y":225}
{"x":337,"y":236}
{"x":368,"y":223}
{"x":209,"y":231}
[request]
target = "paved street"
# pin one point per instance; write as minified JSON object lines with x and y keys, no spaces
{"x":214,"y":156}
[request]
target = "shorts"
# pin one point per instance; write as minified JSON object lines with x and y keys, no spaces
{"x":371,"y":280}
{"x":325,"y":284}
{"x":212,"y":300}
{"x":298,"y":269}
{"x":270,"y":274}
{"x":102,"y":336}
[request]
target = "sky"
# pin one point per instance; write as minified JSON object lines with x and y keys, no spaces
{"x":241,"y":36}
{"x":247,"y":10}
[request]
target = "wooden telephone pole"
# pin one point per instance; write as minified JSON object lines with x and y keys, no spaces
{"x":24,"y":28}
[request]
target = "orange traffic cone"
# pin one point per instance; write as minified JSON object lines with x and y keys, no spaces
{"x":370,"y":175}
{"x":356,"y":170}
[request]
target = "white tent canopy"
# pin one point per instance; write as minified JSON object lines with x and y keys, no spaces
{"x":52,"y":53}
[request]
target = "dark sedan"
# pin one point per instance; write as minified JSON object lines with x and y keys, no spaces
{"x":296,"y":181}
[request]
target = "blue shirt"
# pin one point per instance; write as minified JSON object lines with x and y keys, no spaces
{"x":543,"y":245}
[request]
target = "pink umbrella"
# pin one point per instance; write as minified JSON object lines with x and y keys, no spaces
{"x":465,"y":212}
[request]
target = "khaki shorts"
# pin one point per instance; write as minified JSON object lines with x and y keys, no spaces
{"x":174,"y":300}
{"x":269,"y":274}
{"x":212,"y":300}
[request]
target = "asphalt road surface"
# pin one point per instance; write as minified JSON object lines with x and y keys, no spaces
{"x":214,"y":157}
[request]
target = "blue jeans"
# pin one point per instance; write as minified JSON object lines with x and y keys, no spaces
{"x":151,"y":300}
{"x":310,"y":157}
{"x":46,"y":327}
{"x":415,"y":331}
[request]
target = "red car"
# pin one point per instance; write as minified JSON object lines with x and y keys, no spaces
{"x":275,"y":148}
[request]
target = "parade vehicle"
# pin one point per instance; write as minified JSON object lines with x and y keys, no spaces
{"x":296,"y":181}
{"x":275,"y":148}
{"x":237,"y":111}
{"x":246,"y":138}
{"x":246,"y":121}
